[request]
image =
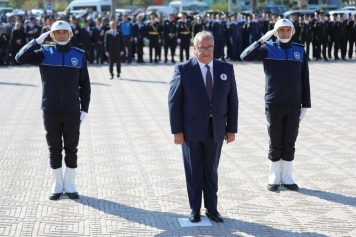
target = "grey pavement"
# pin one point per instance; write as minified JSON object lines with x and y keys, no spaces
{"x":130,"y":173}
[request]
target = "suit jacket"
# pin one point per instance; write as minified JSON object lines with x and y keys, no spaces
{"x":85,"y":38}
{"x":98,"y":35}
{"x":113,"y":44}
{"x":139,"y":33}
{"x":76,"y":35}
{"x":189,"y":105}
{"x":32,"y":36}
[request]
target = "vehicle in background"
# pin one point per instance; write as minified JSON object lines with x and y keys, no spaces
{"x":277,"y":9}
{"x":189,"y":6}
{"x":288,"y":14}
{"x":98,"y":6}
{"x":162,"y":9}
{"x":121,"y":11}
{"x":349,"y":8}
{"x":5,"y":9}
{"x":345,"y":12}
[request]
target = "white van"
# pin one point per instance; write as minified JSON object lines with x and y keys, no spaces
{"x":189,"y":6}
{"x":161,"y":9}
{"x":98,"y":6}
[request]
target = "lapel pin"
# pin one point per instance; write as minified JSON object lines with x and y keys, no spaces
{"x":223,"y":77}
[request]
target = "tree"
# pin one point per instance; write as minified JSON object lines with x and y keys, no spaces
{"x":219,"y":7}
{"x":290,"y":4}
{"x":303,"y":4}
{"x":16,"y":3}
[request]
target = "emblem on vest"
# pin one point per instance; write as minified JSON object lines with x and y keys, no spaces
{"x":74,"y":61}
{"x":296,"y":55}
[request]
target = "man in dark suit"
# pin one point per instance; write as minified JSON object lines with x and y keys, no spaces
{"x":32,"y":30}
{"x":76,"y":31}
{"x":139,"y":33}
{"x":114,"y":48}
{"x":203,"y":107}
{"x":170,"y":37}
{"x":86,"y":41}
{"x":98,"y":38}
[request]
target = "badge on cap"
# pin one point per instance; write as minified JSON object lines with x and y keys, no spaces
{"x":296,"y":55}
{"x":223,"y":77}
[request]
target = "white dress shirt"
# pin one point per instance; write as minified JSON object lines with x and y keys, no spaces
{"x":203,"y":70}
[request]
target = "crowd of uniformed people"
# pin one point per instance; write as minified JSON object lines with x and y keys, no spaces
{"x":324,"y":36}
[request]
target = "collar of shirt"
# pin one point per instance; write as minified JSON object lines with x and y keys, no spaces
{"x":99,"y":28}
{"x":203,"y":70}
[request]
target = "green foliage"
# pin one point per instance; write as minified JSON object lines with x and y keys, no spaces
{"x":261,"y":4}
{"x":219,"y":7}
{"x":290,"y":4}
{"x":16,"y":3}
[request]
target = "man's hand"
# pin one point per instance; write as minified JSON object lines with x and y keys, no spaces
{"x":303,"y":111}
{"x":42,"y":37}
{"x":229,"y":137}
{"x":107,"y":54}
{"x":121,"y":53}
{"x":83,"y":115}
{"x":178,"y":40}
{"x":267,"y":36}
{"x":179,"y":138}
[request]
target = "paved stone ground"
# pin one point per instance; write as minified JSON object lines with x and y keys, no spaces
{"x":130,"y":174}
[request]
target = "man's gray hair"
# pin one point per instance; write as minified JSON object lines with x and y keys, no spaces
{"x":202,"y":36}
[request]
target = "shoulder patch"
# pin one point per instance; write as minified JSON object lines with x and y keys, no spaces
{"x":78,"y":49}
{"x":297,"y":44}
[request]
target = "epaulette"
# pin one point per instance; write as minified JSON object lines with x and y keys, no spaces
{"x":149,"y":21}
{"x":297,"y":44}
{"x":78,"y":49}
{"x":179,"y":20}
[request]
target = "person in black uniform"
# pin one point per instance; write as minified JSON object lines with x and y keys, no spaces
{"x":340,"y":34}
{"x":154,"y":36}
{"x":271,"y":26}
{"x":4,"y":50}
{"x":114,"y":48}
{"x":139,"y":34}
{"x":331,"y":42}
{"x":350,"y":34}
{"x":65,"y":101}
{"x":287,"y":97}
{"x":254,"y":29}
{"x":46,"y":28}
{"x":18,"y":40}
{"x":98,"y":38}
{"x":294,"y":19}
{"x":199,"y":26}
{"x":267,"y":20}
{"x":220,"y":33}
{"x":170,"y":37}
{"x":321,"y":31}
{"x":86,"y":41}
{"x":75,"y":29}
{"x":306,"y":30}
{"x":184,"y":35}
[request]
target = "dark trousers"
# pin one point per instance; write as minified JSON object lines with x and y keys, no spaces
{"x":330,"y":46}
{"x":154,"y":45}
{"x":99,"y":53}
{"x":201,"y":161}
{"x":4,"y":54}
{"x":184,"y":46}
{"x":139,"y":50}
{"x":169,"y":44}
{"x":60,"y":125}
{"x":236,"y":49}
{"x":115,"y":58}
{"x":283,"y":125}
{"x":307,"y":46}
{"x":324,"y":44}
{"x":340,"y":43}
{"x":127,"y":50}
{"x":351,"y":47}
{"x":219,"y":48}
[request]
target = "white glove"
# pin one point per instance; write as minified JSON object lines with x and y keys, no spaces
{"x":178,"y":40}
{"x":267,"y":35}
{"x":82,"y":117}
{"x":303,"y":111}
{"x":42,"y":37}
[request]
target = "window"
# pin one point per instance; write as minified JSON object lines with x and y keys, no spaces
{"x":84,"y":8}
{"x":105,"y":8}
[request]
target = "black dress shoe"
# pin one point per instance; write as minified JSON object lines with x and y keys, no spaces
{"x":112,"y":76}
{"x":292,"y":187}
{"x":272,"y":187}
{"x":165,"y":61}
{"x":54,"y":196}
{"x":194,"y":216}
{"x":214,"y":215}
{"x":73,"y":195}
{"x":173,"y":61}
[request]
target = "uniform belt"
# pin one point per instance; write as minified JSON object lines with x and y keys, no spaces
{"x":153,"y":33}
{"x":184,"y":32}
